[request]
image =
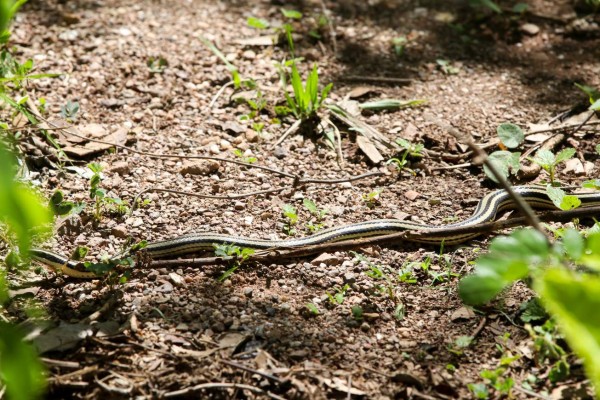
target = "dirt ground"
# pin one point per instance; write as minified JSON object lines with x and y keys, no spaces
{"x":179,"y":332}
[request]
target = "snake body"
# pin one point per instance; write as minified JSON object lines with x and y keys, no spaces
{"x":487,"y":209}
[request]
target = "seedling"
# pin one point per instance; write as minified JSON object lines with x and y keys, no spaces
{"x":157,"y":65}
{"x":446,"y":67}
{"x":60,"y":206}
{"x":235,"y":75}
{"x":312,"y":308}
{"x":460,"y":344}
{"x":244,"y":158}
{"x":241,"y":254}
{"x":357,"y":313}
{"x":548,"y":161}
{"x":69,"y":110}
{"x":339,"y":296}
{"x":410,"y":149}
{"x":371,"y":199}
{"x":506,"y":162}
{"x":315,"y":211}
{"x":291,"y":215}
{"x":99,"y":194}
{"x":399,"y":44}
{"x":307,"y":100}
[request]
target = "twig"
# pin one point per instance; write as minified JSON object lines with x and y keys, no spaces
{"x":219,"y":93}
{"x":161,"y":155}
{"x":479,"y":328}
{"x":523,"y":207}
{"x":105,"y":307}
{"x":375,"y":79}
{"x":530,"y":393}
{"x":276,"y":254}
{"x":251,"y":370}
{"x":60,"y":363}
{"x":223,"y":385}
{"x":255,"y":193}
{"x":289,"y":131}
{"x":74,"y":374}
{"x":456,"y":166}
{"x":330,"y":25}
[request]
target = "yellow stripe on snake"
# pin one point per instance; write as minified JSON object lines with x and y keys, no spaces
{"x":486,"y":211}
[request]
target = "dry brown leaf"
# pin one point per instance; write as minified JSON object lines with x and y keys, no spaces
{"x":369,"y":149}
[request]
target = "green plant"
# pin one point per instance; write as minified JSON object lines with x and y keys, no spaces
{"x":22,"y":213}
{"x":571,"y":295}
{"x":312,"y":308}
{"x":240,"y":154}
{"x":338,"y":296}
{"x":69,"y":110}
{"x":546,"y":339}
{"x":99,"y":194}
{"x":241,"y":254}
{"x":459,"y":344}
{"x":157,"y":65}
{"x":548,"y":161}
{"x":235,"y":74}
{"x":409,"y":150}
{"x":317,"y":212}
{"x":291,"y":215}
{"x":399,"y":45}
{"x":446,"y":67}
{"x":60,"y":206}
{"x":357,"y":312}
{"x":307,"y":100}
{"x":371,"y":199}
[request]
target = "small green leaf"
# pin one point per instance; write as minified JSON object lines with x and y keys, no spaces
{"x":463,"y":341}
{"x":544,"y":158}
{"x":565,"y":154}
{"x":390,"y":104}
{"x":595,"y":106}
{"x":257,"y":23}
{"x":504,"y":161}
{"x":520,"y":8}
{"x":574,"y":300}
{"x":592,"y":184}
{"x":573,"y":243}
{"x":310,"y":206}
{"x":20,"y":369}
{"x":561,"y":199}
{"x":511,"y":135}
{"x":532,"y":310}
{"x":592,"y":93}
{"x":292,"y":14}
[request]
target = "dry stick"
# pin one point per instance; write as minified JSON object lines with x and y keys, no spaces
{"x":531,"y":171}
{"x":289,"y":131}
{"x":258,"y":192}
{"x":160,"y":155}
{"x":479,"y":328}
{"x":223,"y":385}
{"x":521,"y":205}
{"x":251,"y":370}
{"x":375,"y":79}
{"x":276,"y":254}
{"x":330,"y":25}
{"x":249,"y":165}
{"x":219,"y":93}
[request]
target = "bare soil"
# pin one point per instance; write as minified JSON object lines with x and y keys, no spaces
{"x":169,"y":330}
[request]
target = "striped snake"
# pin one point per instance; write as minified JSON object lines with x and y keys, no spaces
{"x":486,"y":211}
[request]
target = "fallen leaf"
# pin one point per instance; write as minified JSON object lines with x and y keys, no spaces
{"x":361,"y":91}
{"x":369,"y":149}
{"x":462,"y":313}
{"x":63,"y":337}
{"x":411,"y":195}
{"x":341,"y":386}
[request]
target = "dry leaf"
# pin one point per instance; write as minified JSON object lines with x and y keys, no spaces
{"x":369,"y":149}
